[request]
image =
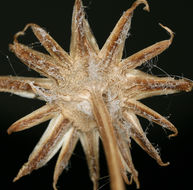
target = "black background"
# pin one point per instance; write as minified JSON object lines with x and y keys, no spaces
{"x":55,"y":16}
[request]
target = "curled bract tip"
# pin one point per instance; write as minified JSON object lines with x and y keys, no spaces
{"x":138,"y":2}
{"x":165,"y":164}
{"x":21,"y":33}
{"x":146,"y":8}
{"x":169,"y":31}
{"x":174,"y":134}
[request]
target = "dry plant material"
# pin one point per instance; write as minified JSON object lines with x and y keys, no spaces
{"x":91,"y":94}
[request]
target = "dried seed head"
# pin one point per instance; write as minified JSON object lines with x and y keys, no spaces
{"x":91,"y":94}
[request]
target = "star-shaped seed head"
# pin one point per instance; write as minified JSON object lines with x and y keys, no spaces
{"x":91,"y":94}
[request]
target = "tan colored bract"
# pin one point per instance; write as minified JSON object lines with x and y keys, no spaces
{"x":91,"y":94}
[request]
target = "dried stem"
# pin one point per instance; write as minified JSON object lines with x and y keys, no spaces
{"x":107,"y":134}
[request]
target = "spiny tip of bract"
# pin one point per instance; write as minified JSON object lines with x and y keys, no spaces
{"x":13,"y":128}
{"x":165,"y":164}
{"x":175,"y":133}
{"x":138,"y":2}
{"x":161,"y":163}
{"x":137,"y":183}
{"x":16,"y":178}
{"x":54,"y":186}
{"x":146,"y":8}
{"x":169,"y":31}
{"x":21,"y":33}
{"x":78,"y":3}
{"x":9,"y":131}
{"x":25,"y":170}
{"x":172,"y":135}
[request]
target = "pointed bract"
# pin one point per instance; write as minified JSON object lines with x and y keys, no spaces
{"x":140,"y":138}
{"x":51,"y":46}
{"x":69,"y":143}
{"x":148,"y":53}
{"x":37,"y":61}
{"x":80,"y":45}
{"x":144,"y":111}
{"x":38,"y":116}
{"x":90,"y":144}
{"x":126,"y":154}
{"x":140,"y":85}
{"x":113,"y":48}
{"x":47,"y":147}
